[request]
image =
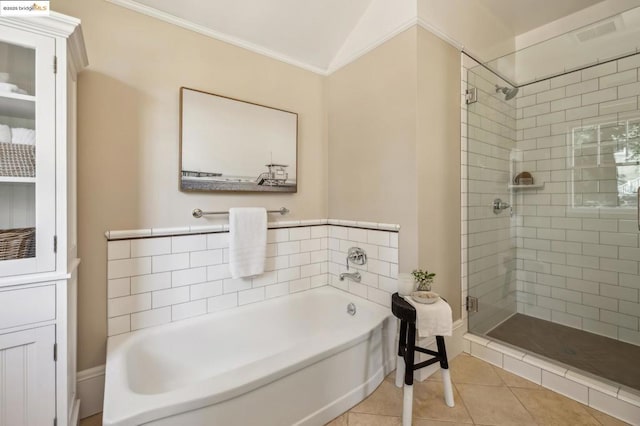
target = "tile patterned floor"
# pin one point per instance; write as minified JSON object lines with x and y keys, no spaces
{"x":484,"y":395}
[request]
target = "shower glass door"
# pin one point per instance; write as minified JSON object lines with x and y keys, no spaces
{"x":490,"y":242}
{"x":556,"y":267}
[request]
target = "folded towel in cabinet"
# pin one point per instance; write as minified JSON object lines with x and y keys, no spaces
{"x":5,"y":133}
{"x":434,"y":319}
{"x":8,"y":87}
{"x":247,"y":241}
{"x":12,"y":88}
{"x":23,"y":136}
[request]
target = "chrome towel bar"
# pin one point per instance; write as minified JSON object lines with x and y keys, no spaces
{"x":197,"y":213}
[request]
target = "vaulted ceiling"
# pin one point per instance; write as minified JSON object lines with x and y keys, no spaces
{"x":308,"y":31}
{"x":311,"y":33}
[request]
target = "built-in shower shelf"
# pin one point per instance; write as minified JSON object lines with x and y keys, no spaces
{"x":532,"y":186}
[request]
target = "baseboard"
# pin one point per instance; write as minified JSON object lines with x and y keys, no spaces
{"x":455,"y":346}
{"x":91,"y":390}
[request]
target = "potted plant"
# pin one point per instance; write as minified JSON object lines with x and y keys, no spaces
{"x":424,"y":279}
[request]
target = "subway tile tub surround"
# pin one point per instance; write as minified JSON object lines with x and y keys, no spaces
{"x":157,"y":276}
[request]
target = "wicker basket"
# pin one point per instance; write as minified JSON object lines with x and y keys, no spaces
{"x":17,"y":160}
{"x":17,"y":243}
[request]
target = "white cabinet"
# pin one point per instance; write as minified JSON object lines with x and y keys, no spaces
{"x":39,"y":61}
{"x":27,"y":372}
{"x":27,"y":152}
{"x":23,"y":306}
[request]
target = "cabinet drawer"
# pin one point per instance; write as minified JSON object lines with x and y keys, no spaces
{"x":27,"y":305}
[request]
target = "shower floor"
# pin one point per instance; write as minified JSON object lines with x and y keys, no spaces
{"x":602,"y":356}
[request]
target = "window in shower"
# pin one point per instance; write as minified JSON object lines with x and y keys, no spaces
{"x":605,"y":161}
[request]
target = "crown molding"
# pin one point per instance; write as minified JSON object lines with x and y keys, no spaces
{"x":77,"y":51}
{"x":399,"y":29}
{"x":379,"y":41}
{"x":56,"y":25}
{"x":200,"y":29}
{"x":440,"y":34}
{"x":446,"y":38}
{"x":333,"y":67}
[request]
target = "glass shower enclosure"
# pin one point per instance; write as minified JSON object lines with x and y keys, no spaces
{"x":551,"y":207}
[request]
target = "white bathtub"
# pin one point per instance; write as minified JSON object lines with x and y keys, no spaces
{"x":300,"y":359}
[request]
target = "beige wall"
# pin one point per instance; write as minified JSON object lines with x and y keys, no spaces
{"x":372,"y":133}
{"x":387,"y":115}
{"x":438,"y":158}
{"x":394,"y":150}
{"x":128,"y":136}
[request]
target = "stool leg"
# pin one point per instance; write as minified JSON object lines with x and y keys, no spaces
{"x":446,"y":375}
{"x":448,"y":389}
{"x":410,"y":354}
{"x":400,"y":369}
{"x":407,"y":400}
{"x":402,"y":346}
{"x":407,"y":405}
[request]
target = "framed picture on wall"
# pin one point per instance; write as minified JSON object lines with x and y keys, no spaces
{"x":232,"y":145}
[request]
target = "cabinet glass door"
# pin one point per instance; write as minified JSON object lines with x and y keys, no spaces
{"x":27,"y":153}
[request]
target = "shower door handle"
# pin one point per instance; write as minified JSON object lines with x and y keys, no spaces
{"x":638,"y":209}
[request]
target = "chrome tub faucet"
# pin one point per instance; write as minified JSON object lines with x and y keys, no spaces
{"x":354,"y":276}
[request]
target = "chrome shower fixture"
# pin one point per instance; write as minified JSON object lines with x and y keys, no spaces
{"x":357,"y":256}
{"x":509,"y":93}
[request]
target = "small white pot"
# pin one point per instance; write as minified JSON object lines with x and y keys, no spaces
{"x":406,"y":284}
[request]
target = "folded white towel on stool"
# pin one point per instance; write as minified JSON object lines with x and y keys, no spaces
{"x":433,"y":319}
{"x":247,"y":241}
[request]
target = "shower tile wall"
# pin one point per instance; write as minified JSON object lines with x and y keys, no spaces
{"x":577,"y":239}
{"x":489,"y":251}
{"x":154,"y":281}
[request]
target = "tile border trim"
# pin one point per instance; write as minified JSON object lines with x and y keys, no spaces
{"x":202,"y":229}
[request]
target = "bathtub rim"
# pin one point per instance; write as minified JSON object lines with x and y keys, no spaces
{"x":130,"y":408}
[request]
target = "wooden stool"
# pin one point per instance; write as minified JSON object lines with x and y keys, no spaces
{"x":406,"y":354}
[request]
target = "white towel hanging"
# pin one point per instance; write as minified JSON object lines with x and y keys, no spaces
{"x":247,"y":241}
